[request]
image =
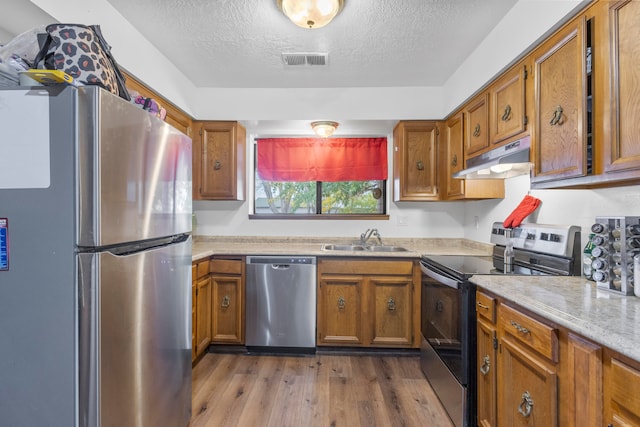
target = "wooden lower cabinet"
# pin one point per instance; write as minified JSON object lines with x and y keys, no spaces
{"x":203,"y":314}
{"x":392,"y":311}
{"x":487,"y":385}
{"x":527,"y":388}
{"x":531,"y":372}
{"x":194,"y":300}
{"x":622,"y":391}
{"x":200,"y":308}
{"x":340,"y":310}
{"x":227,"y":300}
{"x":368,"y":303}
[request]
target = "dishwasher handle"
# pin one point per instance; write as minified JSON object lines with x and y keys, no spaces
{"x":282,"y":261}
{"x":280,"y":266}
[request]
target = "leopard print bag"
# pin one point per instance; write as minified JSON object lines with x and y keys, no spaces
{"x":82,"y":52}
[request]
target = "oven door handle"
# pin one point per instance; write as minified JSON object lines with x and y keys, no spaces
{"x":452,"y":283}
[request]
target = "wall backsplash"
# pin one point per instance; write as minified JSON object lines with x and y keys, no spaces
{"x":559,"y":206}
{"x":471,"y":219}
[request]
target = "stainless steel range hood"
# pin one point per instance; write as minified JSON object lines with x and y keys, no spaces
{"x":509,"y":160}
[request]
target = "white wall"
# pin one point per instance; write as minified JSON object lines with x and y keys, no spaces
{"x":559,"y":206}
{"x":406,"y":219}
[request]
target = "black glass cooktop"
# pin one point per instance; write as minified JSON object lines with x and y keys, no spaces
{"x":462,"y":265}
{"x":465,"y":266}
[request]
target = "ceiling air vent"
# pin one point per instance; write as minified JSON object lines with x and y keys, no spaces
{"x":315,"y":59}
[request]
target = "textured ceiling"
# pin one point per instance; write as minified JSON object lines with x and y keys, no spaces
{"x":372,"y":43}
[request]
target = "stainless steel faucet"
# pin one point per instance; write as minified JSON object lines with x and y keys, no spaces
{"x":364,"y":237}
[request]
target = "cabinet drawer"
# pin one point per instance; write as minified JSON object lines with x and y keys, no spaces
{"x":201,"y":269}
{"x":486,"y":306}
{"x":226,"y":266}
{"x":529,"y":331}
{"x":625,"y":386}
{"x":341,"y":266}
{"x":194,"y":273}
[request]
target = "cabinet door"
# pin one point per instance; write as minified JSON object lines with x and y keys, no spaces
{"x":622,"y":150}
{"x":582,"y":395}
{"x":220,"y":159}
{"x":477,"y":126}
{"x":340,"y":310}
{"x":560,"y":140}
{"x":392,"y":299}
{"x":203,"y":315}
{"x":621,"y":396}
{"x":227,"y":326}
{"x":528,"y":388}
{"x":453,"y":157}
{"x":508,"y":116}
{"x":194,"y":343}
{"x":415,"y":171}
{"x":486,"y":374}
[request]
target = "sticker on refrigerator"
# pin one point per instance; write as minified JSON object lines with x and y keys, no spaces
{"x":4,"y":244}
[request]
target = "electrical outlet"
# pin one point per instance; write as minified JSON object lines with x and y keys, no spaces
{"x":402,"y":220}
{"x":476,"y":222}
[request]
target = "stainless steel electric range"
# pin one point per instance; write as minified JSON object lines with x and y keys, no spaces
{"x":448,"y":350}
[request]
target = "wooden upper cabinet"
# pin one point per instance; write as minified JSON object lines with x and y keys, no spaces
{"x":415,"y":156}
{"x":560,"y":139}
{"x":507,"y":101}
{"x":219,"y":161}
{"x":452,"y":158}
{"x":175,"y":116}
{"x":476,"y":138}
{"x":622,"y":150}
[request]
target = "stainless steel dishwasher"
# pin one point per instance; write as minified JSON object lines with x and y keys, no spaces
{"x":281,"y":303}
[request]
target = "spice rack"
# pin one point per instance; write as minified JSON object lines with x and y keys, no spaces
{"x":616,"y":241}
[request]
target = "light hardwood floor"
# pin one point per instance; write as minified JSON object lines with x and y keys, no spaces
{"x":319,"y":390}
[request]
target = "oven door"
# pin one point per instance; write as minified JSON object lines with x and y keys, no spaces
{"x":447,"y":354}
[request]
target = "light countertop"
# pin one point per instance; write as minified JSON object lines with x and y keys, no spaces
{"x":246,"y":245}
{"x":607,"y":318}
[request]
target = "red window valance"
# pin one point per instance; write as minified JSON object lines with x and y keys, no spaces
{"x":315,"y":159}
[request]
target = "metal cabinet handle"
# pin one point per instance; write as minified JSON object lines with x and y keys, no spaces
{"x":454,"y":160}
{"x":341,"y":303}
{"x":419,"y":165}
{"x":557,"y":116}
{"x":507,"y":113}
{"x":486,"y":365}
{"x":217,"y":165}
{"x":482,"y":306}
{"x":526,"y":405}
{"x":476,"y":131}
{"x":519,"y":327}
{"x":391,"y":305}
{"x":226,"y":301}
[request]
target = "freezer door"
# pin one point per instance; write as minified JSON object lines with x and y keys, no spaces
{"x":134,"y":172}
{"x":135,"y":337}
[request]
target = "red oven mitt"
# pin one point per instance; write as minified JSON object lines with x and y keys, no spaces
{"x":524,"y":209}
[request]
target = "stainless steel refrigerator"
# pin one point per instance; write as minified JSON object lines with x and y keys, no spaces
{"x":95,"y":256}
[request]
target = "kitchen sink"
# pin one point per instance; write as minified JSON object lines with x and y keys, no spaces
{"x":370,"y":248}
{"x":332,"y":247}
{"x":386,"y":248}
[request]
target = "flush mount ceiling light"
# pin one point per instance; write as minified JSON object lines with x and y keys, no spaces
{"x":310,"y":13}
{"x":324,"y":129}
